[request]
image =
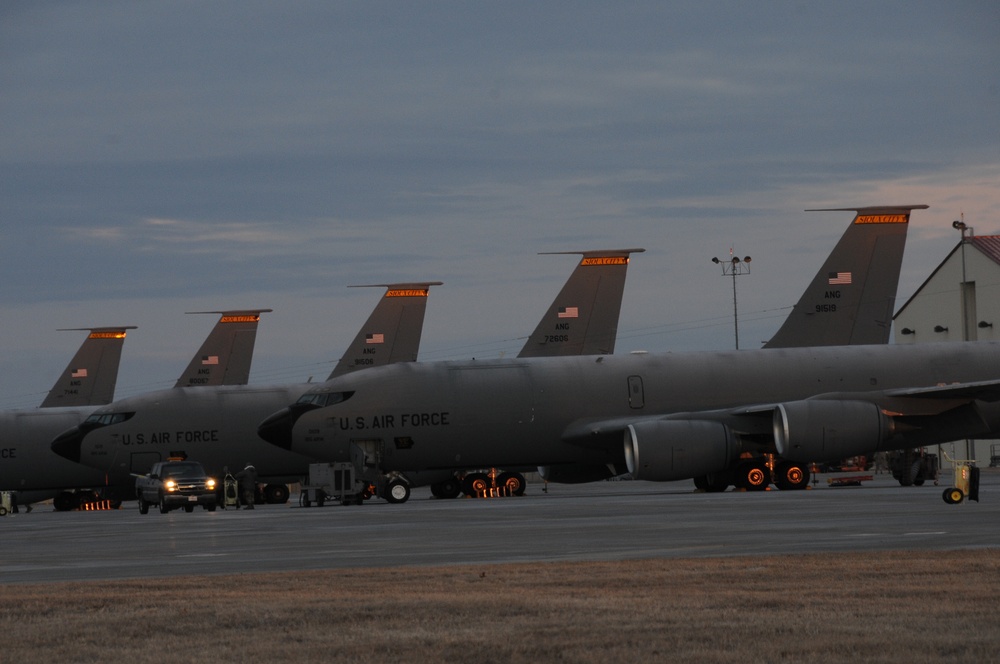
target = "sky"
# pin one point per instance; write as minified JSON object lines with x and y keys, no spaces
{"x":160,"y":158}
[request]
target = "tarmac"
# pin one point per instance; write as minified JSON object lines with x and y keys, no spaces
{"x":590,"y":522}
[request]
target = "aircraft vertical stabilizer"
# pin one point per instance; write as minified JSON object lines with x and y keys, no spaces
{"x":225,"y":357}
{"x":92,"y":374}
{"x":583,"y":319}
{"x":392,"y":332}
{"x":850,"y":301}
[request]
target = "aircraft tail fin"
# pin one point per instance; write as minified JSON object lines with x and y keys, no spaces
{"x":92,"y":374}
{"x":392,"y":332}
{"x":583,"y":319}
{"x":850,"y":301}
{"x":225,"y":356}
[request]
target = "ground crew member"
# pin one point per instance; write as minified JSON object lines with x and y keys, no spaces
{"x":248,"y":485}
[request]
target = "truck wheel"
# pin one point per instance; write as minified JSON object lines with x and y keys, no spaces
{"x":189,"y":508}
{"x":143,"y":507}
{"x":397,"y":491}
{"x":163,"y":506}
{"x":211,"y":507}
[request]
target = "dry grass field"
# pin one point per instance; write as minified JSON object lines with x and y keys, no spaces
{"x":872,"y":607}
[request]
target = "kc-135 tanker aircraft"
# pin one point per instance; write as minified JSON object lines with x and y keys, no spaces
{"x":858,"y":310}
{"x":676,"y":415}
{"x":30,"y":467}
{"x":218,"y":427}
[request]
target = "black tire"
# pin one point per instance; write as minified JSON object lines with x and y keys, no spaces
{"x":189,"y":508}
{"x":276,"y":494}
{"x":66,"y":501}
{"x":476,"y":484}
{"x":397,"y":491}
{"x":143,"y":507}
{"x":211,"y":507}
{"x":953,"y":496}
{"x":754,"y":476}
{"x":447,"y":489}
{"x":790,"y":476}
{"x":511,"y":484}
{"x":163,"y":505}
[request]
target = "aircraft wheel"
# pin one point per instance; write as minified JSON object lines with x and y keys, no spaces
{"x":754,"y":477}
{"x":511,"y":484}
{"x":476,"y":484}
{"x":701,"y":483}
{"x":449,"y":488}
{"x":163,"y":506}
{"x":791,"y":476}
{"x":953,"y":496}
{"x":397,"y":491}
{"x":717,"y":483}
{"x":66,"y":501}
{"x":143,"y":507}
{"x":275,"y":494}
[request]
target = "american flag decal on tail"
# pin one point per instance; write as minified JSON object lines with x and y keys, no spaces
{"x":839,"y":278}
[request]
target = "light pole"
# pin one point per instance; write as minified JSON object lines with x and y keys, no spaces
{"x":959,"y":225}
{"x":734,"y":266}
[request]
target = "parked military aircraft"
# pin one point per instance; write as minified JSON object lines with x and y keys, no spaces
{"x":88,"y":381}
{"x":582,"y":320}
{"x":849,"y":301}
{"x":217,"y":425}
{"x":31,"y":468}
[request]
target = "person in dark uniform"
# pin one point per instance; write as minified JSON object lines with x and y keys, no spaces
{"x":248,"y":485}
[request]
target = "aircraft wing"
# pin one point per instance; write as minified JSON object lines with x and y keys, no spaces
{"x":909,"y":409}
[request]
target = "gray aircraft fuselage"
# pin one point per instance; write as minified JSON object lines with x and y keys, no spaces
{"x":216,"y":426}
{"x":26,"y":458}
{"x":549,"y":411}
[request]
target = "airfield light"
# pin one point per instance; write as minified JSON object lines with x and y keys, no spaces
{"x":734,"y":267}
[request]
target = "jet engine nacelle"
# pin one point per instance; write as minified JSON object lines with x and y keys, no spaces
{"x":819,"y":430}
{"x":667,"y":450}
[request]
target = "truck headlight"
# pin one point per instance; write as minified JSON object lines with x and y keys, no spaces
{"x":170,"y":485}
{"x":210,"y":483}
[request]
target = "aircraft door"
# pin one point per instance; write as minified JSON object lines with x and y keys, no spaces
{"x":636,"y":398}
{"x":366,"y":455}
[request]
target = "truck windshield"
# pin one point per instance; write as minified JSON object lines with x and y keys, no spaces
{"x":184,"y":470}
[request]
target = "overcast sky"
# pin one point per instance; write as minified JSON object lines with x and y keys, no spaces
{"x":157,"y":158}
